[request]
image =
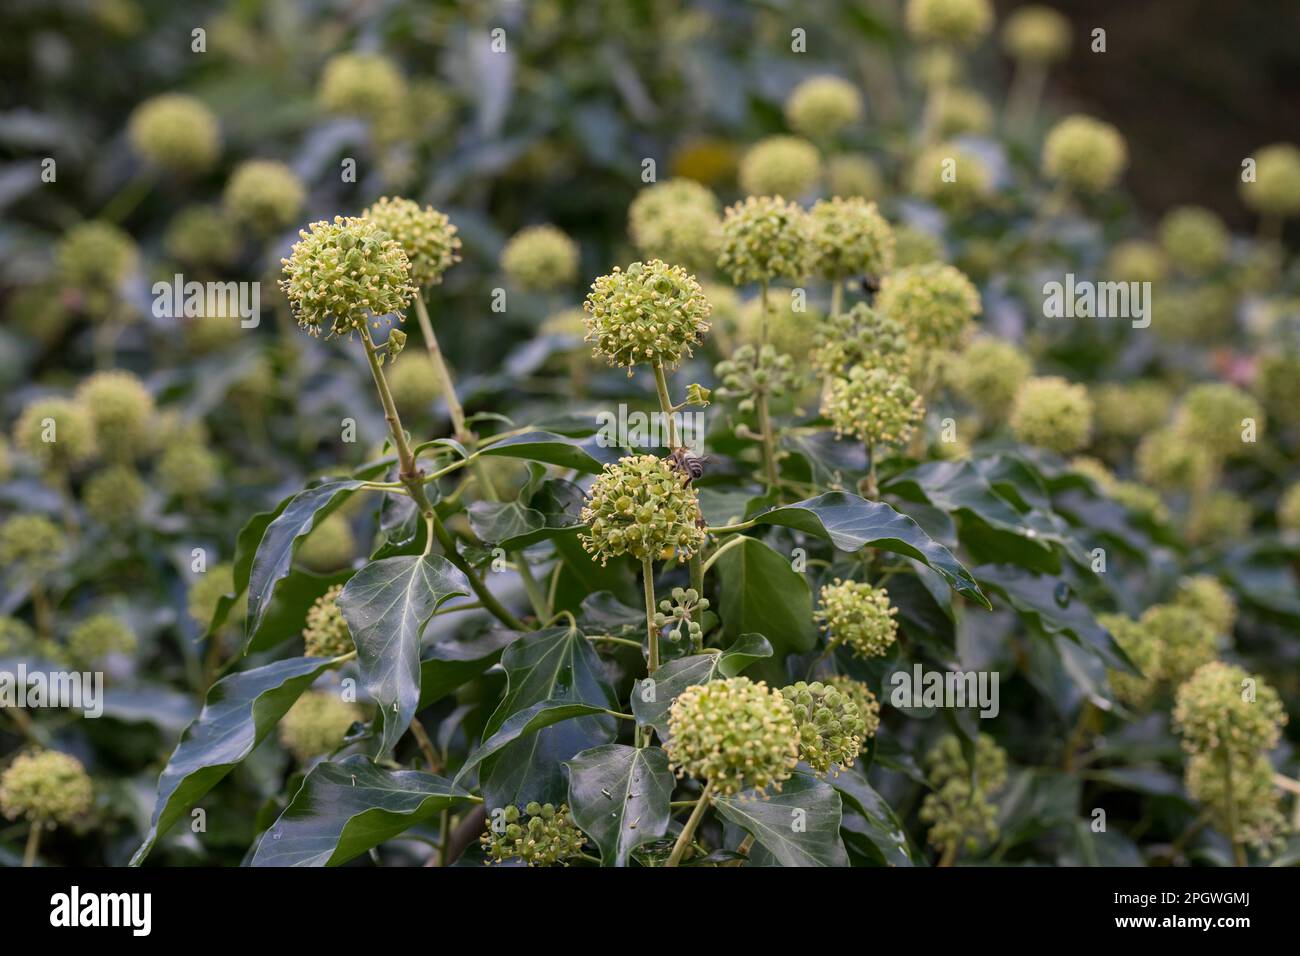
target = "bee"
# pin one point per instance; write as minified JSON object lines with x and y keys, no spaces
{"x":689,"y":464}
{"x":870,"y":286}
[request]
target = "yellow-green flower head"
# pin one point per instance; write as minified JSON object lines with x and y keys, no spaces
{"x":1221,"y":705}
{"x":1250,"y":806}
{"x":1276,"y":189}
{"x":935,"y":67}
{"x":861,"y":336}
{"x":1219,"y":518}
{"x":676,"y":221}
{"x":751,"y":372}
{"x":360,"y":84}
{"x":1168,"y":461}
{"x":57,"y":432}
{"x":951,"y":176}
{"x":1215,"y":416}
{"x":1052,"y":413}
{"x":39,"y":311}
{"x":317,"y":724}
{"x":861,"y":695}
{"x":99,"y":636}
{"x":114,"y":496}
{"x":959,"y":810}
{"x":426,"y":236}
{"x":15,"y":636}
{"x":1288,"y":509}
{"x":544,"y":835}
{"x":326,"y":633}
{"x":765,"y":238}
{"x":936,"y":303}
{"x":187,"y":470}
{"x":875,"y":405}
{"x":641,"y":505}
{"x":792,"y":323}
{"x":330,"y":545}
{"x":737,"y":734}
{"x":988,"y":374}
{"x":1085,"y":154}
{"x":850,"y":238}
{"x":959,"y":23}
{"x":122,"y":412}
{"x":176,"y":132}
{"x":964,"y":112}
{"x":1036,"y":34}
{"x":1186,"y":639}
{"x":264,"y":195}
{"x":540,"y":259}
{"x":852,"y":174}
{"x":1205,"y":595}
{"x":341,"y":273}
{"x":916,"y":247}
{"x":1205,"y":314}
{"x":1129,"y":410}
{"x":208,"y":588}
{"x":823,"y":106}
{"x":45,"y":787}
{"x":858,"y":615}
{"x":1143,"y":650}
{"x":1277,"y":383}
{"x":201,"y":236}
{"x":1141,"y":500}
{"x":31,"y":544}
{"x":1195,"y":239}
{"x":95,"y":257}
{"x":831,"y":729}
{"x":780,"y":166}
{"x":415,"y":383}
{"x":652,"y":312}
{"x":1137,"y":260}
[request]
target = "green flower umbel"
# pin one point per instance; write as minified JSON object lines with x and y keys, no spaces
{"x":861,"y":694}
{"x":821,"y":107}
{"x":676,"y":221}
{"x":58,"y":433}
{"x":1195,"y":239}
{"x":1222,"y":706}
{"x":737,"y":734}
{"x":326,"y":633}
{"x":317,"y":723}
{"x":540,"y":259}
{"x":1143,"y":650}
{"x":1205,"y":595}
{"x":122,"y":410}
{"x":426,"y":236}
{"x":988,"y":374}
{"x":877,"y":406}
{"x":653,"y":313}
{"x":95,"y":257}
{"x":831,"y":729}
{"x":1052,"y":413}
{"x":850,"y":238}
{"x":951,"y":22}
{"x":936,"y":303}
{"x":343,"y":272}
{"x":361,"y":84}
{"x":765,"y":238}
{"x":959,"y":810}
{"x":1216,"y":416}
{"x":642,"y":506}
{"x":1186,"y":639}
{"x":1036,"y":34}
{"x":175,"y":132}
{"x":99,"y":636}
{"x":544,"y":835}
{"x":264,"y":195}
{"x":1276,"y":189}
{"x":45,"y":787}
{"x":1250,"y":806}
{"x":31,"y":545}
{"x":780,"y":166}
{"x":1084,"y":154}
{"x":858,"y":615}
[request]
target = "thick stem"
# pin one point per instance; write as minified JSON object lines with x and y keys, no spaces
{"x":454,"y":408}
{"x":688,"y":831}
{"x":950,"y":853}
{"x":1238,"y":851}
{"x":33,"y":843}
{"x":837,"y":297}
{"x":666,"y":406}
{"x":769,"y":441}
{"x":405,"y":459}
{"x":651,"y":632}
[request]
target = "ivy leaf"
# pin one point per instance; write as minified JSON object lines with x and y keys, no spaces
{"x":289,"y":605}
{"x":851,"y":523}
{"x":557,"y":663}
{"x":344,"y":809}
{"x":585,"y":455}
{"x":239,"y":711}
{"x":799,"y":826}
{"x":456,"y":661}
{"x":387,"y":604}
{"x":275,"y":550}
{"x":653,"y":697}
{"x":868,"y":816}
{"x":552,"y":508}
{"x":519,"y":725}
{"x":620,"y":796}
{"x":743,"y":651}
{"x":762,"y":593}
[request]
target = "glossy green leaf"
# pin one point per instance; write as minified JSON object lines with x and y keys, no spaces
{"x":762,"y":593}
{"x":584,"y":454}
{"x":456,"y":661}
{"x":520,"y":725}
{"x":867,"y":815}
{"x":799,"y":826}
{"x":620,"y":796}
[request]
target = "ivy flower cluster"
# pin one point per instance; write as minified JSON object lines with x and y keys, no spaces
{"x":831,"y":728}
{"x":958,"y":809}
{"x":859,"y":616}
{"x":644,"y":507}
{"x":652,"y":312}
{"x":543,"y":835}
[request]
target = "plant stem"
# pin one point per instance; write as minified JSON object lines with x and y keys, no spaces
{"x":769,"y":442}
{"x":666,"y":405}
{"x":762,"y":321}
{"x":33,"y":843}
{"x":715,"y":555}
{"x":1238,"y":851}
{"x":426,"y":745}
{"x":454,"y":408}
{"x":949,"y":853}
{"x":837,"y":297}
{"x":651,"y":632}
{"x":688,"y":831}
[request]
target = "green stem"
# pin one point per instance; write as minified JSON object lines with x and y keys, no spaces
{"x":666,"y":405}
{"x":715,"y":555}
{"x":454,"y":408}
{"x":652,"y":633}
{"x":837,"y":297}
{"x":33,"y":843}
{"x":762,"y":321}
{"x":769,"y":442}
{"x":688,"y":831}
{"x":1238,"y":851}
{"x":950,"y":853}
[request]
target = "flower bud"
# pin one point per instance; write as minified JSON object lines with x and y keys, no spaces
{"x":317,"y":724}
{"x":540,"y":259}
{"x":858,"y":615}
{"x":326,"y":633}
{"x":780,"y":166}
{"x":176,"y":132}
{"x":45,"y":787}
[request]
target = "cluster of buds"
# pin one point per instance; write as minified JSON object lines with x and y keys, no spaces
{"x":540,"y":259}
{"x":207,"y":590}
{"x":543,"y":835}
{"x":988,"y":374}
{"x":1135,"y":690}
{"x":1125,"y":411}
{"x":821,"y":107}
{"x":858,"y":615}
{"x":1214,"y":417}
{"x":682,"y":612}
{"x":1036,"y":34}
{"x":264,"y":195}
{"x":1185,"y":637}
{"x":850,"y":238}
{"x":737,"y":734}
{"x":99,"y":636}
{"x":326,"y":633}
{"x":860,"y":694}
{"x":1052,"y":413}
{"x":317,"y":724}
{"x":95,"y":258}
{"x":765,"y":238}
{"x":780,"y":166}
{"x":45,"y":787}
{"x":1084,"y":154}
{"x":676,"y":221}
{"x":426,"y":236}
{"x":971,"y":184}
{"x":934,"y":302}
{"x":861,"y":336}
{"x":1205,"y":595}
{"x":875,"y":405}
{"x":31,"y":546}
{"x":121,"y":410}
{"x":175,"y":132}
{"x":959,"y":810}
{"x":751,"y":373}
{"x":652,"y":312}
{"x":1195,"y":239}
{"x":642,"y":506}
{"x":956,"y":23}
{"x":831,"y":728}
